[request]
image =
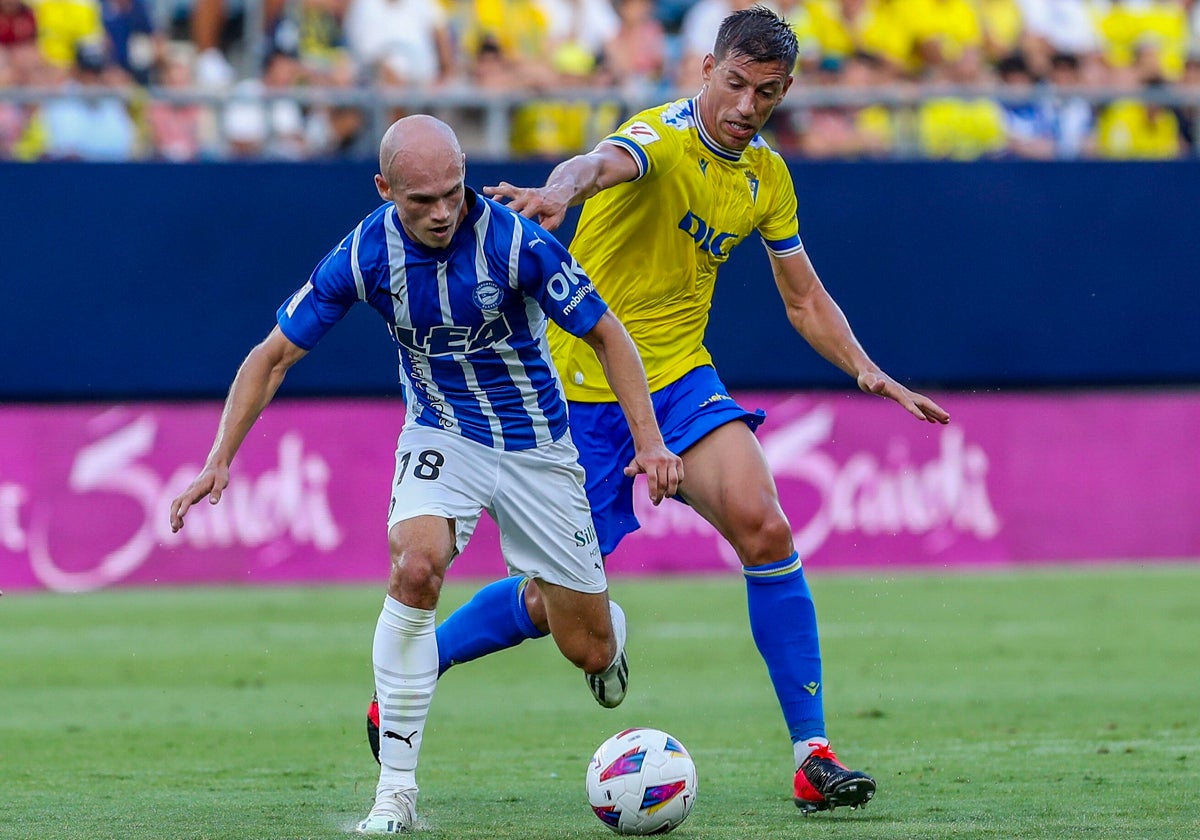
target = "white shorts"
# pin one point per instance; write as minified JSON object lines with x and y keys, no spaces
{"x":535,"y":496}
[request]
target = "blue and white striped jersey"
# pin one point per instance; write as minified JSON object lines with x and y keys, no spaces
{"x":469,"y":319}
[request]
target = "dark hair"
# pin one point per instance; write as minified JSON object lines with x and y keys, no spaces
{"x":1069,"y":61}
{"x":759,"y":34}
{"x":1013,"y":64}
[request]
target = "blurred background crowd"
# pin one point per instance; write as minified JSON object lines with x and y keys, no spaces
{"x":185,"y":80}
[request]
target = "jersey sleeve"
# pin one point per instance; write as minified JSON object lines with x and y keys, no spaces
{"x":552,"y":277}
{"x":779,"y":227}
{"x":654,"y":145}
{"x":322,"y":301}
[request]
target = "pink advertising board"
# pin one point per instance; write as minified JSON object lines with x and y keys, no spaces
{"x":1014,"y":479}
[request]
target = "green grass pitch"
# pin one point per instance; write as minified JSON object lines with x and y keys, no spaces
{"x":1059,"y":703}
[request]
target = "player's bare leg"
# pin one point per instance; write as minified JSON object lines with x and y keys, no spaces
{"x":405,"y":660}
{"x":728,"y":482}
{"x":590,"y":631}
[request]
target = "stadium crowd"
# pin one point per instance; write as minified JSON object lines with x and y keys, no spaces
{"x":184,"y":80}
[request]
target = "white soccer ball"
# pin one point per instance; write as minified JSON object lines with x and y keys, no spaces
{"x":641,"y":781}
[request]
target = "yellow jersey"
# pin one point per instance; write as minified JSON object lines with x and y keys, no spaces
{"x":653,"y":245}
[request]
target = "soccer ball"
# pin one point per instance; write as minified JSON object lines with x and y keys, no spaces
{"x":641,"y":781}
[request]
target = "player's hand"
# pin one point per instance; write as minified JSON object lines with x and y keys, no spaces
{"x":918,"y":405}
{"x":663,"y":469}
{"x":211,"y":482}
{"x":531,"y":203}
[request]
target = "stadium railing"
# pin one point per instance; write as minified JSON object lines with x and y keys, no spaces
{"x":489,"y":115}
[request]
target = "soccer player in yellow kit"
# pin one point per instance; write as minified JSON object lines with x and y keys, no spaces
{"x":667,"y":196}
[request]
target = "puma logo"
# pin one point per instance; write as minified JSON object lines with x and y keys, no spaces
{"x":387,"y":733}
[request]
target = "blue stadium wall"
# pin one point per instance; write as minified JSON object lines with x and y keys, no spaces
{"x":147,"y":280}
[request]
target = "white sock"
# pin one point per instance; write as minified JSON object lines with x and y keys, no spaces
{"x":617,"y":616}
{"x":405,"y":657}
{"x":803,"y":748}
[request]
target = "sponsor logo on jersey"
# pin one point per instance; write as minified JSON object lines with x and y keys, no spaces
{"x":300,"y":295}
{"x":678,"y":114}
{"x":487,"y":295}
{"x":448,"y":339}
{"x":641,"y":132}
{"x":713,"y":242}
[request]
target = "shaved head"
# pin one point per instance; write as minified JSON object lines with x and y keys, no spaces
{"x":413,"y":143}
{"x":421,"y":171}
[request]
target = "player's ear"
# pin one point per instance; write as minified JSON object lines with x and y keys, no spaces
{"x":381,"y":184}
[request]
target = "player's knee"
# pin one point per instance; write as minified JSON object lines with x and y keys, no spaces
{"x":764,"y":538}
{"x":416,"y":577}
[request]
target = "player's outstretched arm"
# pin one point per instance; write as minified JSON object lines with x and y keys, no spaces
{"x":818,"y":318}
{"x":623,"y":369}
{"x":572,"y":182}
{"x":256,"y":382}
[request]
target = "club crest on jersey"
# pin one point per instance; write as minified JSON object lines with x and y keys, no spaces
{"x":753,"y":182}
{"x":641,"y":132}
{"x":487,"y":295}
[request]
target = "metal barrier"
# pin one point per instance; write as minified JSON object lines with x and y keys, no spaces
{"x":490,"y":114}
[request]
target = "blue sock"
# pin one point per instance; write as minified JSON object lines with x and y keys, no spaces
{"x":495,"y":619}
{"x":783,"y":622}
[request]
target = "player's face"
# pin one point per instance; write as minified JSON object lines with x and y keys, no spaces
{"x":739,"y":95}
{"x":429,"y":199}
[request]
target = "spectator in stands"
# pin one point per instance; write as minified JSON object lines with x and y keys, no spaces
{"x":878,"y":27}
{"x":218,"y":26}
{"x":134,"y":43}
{"x":1073,"y":116}
{"x":86,"y":127}
{"x":1028,"y":121}
{"x":565,"y":125}
{"x":519,"y":29}
{"x":28,"y":68}
{"x":943,"y":29}
{"x":180,"y":131}
{"x":334,"y":129}
{"x":1188,"y":115}
{"x":1002,"y":28}
{"x":637,"y":52}
{"x":847,"y":131}
{"x":13,"y":116}
{"x":400,"y":43}
{"x":1132,"y":129}
{"x":697,"y":34}
{"x":1152,"y":31}
{"x":313,"y":31}
{"x":258,"y":122}
{"x":64,"y":25}
{"x":18,"y":25}
{"x":1056,"y":26}
{"x":577,"y":32}
{"x":958,"y":128}
{"x":798,"y":14}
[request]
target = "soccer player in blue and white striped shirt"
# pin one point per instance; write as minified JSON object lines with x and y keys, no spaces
{"x":465,"y":286}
